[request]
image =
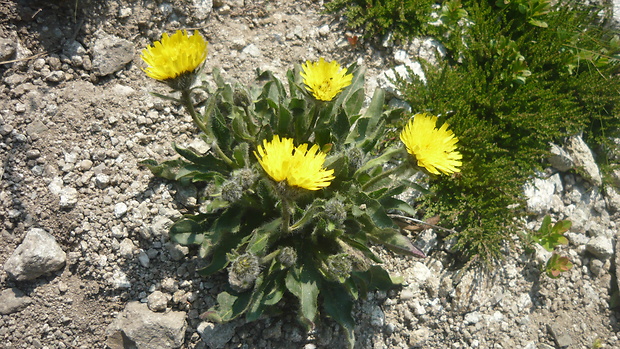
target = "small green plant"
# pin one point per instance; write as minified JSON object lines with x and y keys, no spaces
{"x":557,"y":265}
{"x":550,"y":237}
{"x":296,"y":186}
{"x":404,"y":18}
{"x":508,"y":87}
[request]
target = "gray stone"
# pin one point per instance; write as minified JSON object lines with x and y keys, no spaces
{"x":216,"y":335}
{"x":539,"y":193}
{"x":120,"y":209}
{"x":139,"y":327}
{"x":126,"y":248}
{"x":13,"y":300}
{"x":68,"y":197}
{"x":560,"y":159}
{"x":7,"y":49}
{"x":584,"y":159}
{"x":110,"y":53}
{"x":600,"y":246}
{"x":202,"y":9}
{"x":562,"y":340}
{"x":158,"y":301}
{"x":38,"y":254}
{"x":177,"y":252}
{"x":251,"y":50}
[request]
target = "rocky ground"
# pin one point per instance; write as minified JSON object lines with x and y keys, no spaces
{"x":87,"y":262}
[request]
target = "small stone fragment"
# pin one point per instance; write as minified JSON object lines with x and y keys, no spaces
{"x":158,"y":301}
{"x":147,"y":329}
{"x":38,"y":254}
{"x":13,"y":300}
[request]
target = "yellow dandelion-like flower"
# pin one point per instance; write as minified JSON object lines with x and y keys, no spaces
{"x":175,"y":56}
{"x":325,"y":80}
{"x":306,"y":169}
{"x":299,"y":166}
{"x":275,"y":157}
{"x":434,"y":149}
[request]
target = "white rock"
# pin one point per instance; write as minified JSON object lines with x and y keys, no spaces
{"x":68,"y":197}
{"x":472,"y":318}
{"x":38,"y":254}
{"x":539,"y":193}
{"x":202,"y":8}
{"x":324,"y":30}
{"x":216,"y":335}
{"x":147,"y":329}
{"x":119,"y":280}
{"x":560,"y":158}
{"x":251,"y":50}
{"x":584,"y":159}
{"x":120,"y":209}
{"x":601,"y":247}
{"x":126,"y":248}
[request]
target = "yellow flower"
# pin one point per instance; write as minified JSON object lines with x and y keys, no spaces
{"x":299,"y":166}
{"x":325,"y":80}
{"x":306,"y":169}
{"x":175,"y":57}
{"x":275,"y":157}
{"x":434,"y":149}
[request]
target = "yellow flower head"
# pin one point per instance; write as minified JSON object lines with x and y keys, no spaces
{"x":434,"y":149}
{"x":299,"y":166}
{"x":174,"y":56}
{"x":325,"y":80}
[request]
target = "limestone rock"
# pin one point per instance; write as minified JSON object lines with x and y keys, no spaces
{"x":13,"y":300}
{"x":216,"y":335}
{"x":139,"y":327}
{"x":111,"y":53}
{"x":38,"y":254}
{"x":584,"y":159}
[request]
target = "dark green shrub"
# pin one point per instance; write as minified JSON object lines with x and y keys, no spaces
{"x":511,"y":87}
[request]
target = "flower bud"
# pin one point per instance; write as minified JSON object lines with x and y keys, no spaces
{"x":339,"y":267}
{"x":335,"y":211}
{"x":231,"y":190}
{"x":243,"y":271}
{"x":287,"y":256}
{"x":245,"y":177}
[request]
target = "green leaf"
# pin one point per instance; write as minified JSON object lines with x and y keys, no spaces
{"x":167,"y":169}
{"x":263,"y":237}
{"x":353,"y":104}
{"x":395,"y":241}
{"x":229,"y":306}
{"x":268,"y":292}
{"x":187,"y":232}
{"x":302,"y":282}
{"x":241,"y":154}
{"x":338,"y":305}
{"x":390,"y":203}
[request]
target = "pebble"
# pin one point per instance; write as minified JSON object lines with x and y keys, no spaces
{"x":158,"y":301}
{"x":120,"y":209}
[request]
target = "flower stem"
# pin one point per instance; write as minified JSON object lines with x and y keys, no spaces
{"x":189,"y":106}
{"x":384,"y":174}
{"x":286,"y":215}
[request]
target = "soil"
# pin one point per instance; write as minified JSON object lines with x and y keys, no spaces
{"x":62,"y":122}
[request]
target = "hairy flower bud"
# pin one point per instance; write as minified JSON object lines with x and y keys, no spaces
{"x":356,"y":158}
{"x":339,"y":267}
{"x":335,"y":211}
{"x":287,"y":256}
{"x":231,"y":190}
{"x":243,"y":271}
{"x":245,"y":177}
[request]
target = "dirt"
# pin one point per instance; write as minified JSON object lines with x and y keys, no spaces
{"x":90,"y":131}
